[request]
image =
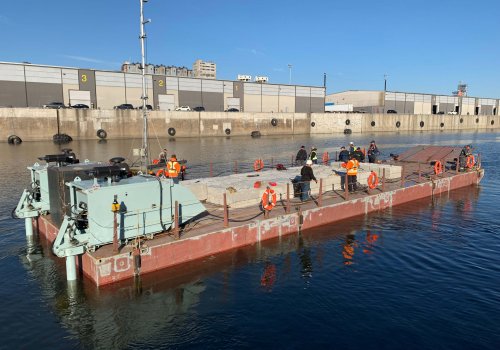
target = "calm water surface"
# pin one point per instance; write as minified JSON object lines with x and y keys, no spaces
{"x":418,"y":276}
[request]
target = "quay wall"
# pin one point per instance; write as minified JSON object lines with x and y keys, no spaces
{"x":34,"y":124}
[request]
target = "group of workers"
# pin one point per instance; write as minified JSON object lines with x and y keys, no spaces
{"x":350,"y":159}
{"x":302,"y":156}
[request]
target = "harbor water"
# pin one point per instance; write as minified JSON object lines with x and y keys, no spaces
{"x":425,"y":275}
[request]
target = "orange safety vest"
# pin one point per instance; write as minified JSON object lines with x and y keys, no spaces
{"x":351,"y":166}
{"x":173,"y":168}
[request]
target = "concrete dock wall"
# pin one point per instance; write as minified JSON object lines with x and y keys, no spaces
{"x":32,"y":124}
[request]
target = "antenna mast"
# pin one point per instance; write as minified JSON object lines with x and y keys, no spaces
{"x":145,"y":148}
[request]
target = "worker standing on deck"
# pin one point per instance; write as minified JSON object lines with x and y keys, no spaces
{"x":352,"y":173}
{"x":173,"y":169}
{"x":314,"y":155}
{"x":307,"y":175}
{"x":359,"y":155}
{"x":343,"y":155}
{"x":301,"y":156}
{"x":352,"y":148}
{"x":373,"y":152}
{"x":163,"y":156}
{"x":462,"y":158}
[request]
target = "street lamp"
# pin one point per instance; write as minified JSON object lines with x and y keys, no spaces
{"x":290,"y":70}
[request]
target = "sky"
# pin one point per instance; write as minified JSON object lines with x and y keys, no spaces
{"x":423,"y":46}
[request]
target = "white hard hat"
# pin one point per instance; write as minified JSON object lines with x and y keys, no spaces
{"x":309,"y":162}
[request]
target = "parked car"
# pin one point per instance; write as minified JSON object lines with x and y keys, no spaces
{"x":124,"y":106}
{"x":80,"y":106}
{"x":54,"y":105}
{"x":392,"y":111}
{"x":232,"y":110}
{"x":440,"y":112}
{"x":183,"y":108}
{"x":199,"y":109}
{"x":453,"y":112}
{"x":148,"y":107}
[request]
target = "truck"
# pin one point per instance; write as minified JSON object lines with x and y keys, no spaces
{"x":334,"y":108}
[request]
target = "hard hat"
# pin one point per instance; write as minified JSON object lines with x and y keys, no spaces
{"x":309,"y":162}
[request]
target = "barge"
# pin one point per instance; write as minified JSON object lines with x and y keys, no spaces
{"x":226,"y":212}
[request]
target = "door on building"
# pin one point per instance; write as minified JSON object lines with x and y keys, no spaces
{"x":233,"y":102}
{"x":80,"y":97}
{"x":166,"y":102}
{"x":434,"y":109}
{"x":476,"y":112}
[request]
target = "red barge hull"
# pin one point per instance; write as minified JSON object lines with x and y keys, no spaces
{"x":105,"y":266}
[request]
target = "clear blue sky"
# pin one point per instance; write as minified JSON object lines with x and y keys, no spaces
{"x":422,"y":45}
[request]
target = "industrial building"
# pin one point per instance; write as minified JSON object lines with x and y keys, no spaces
{"x":414,"y":103}
{"x":29,"y":85}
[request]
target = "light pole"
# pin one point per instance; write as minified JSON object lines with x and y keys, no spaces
{"x":385,"y":88}
{"x":290,"y":71}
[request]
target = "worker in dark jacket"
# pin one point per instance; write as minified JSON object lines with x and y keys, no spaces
{"x":373,"y":152}
{"x":301,"y":157}
{"x":462,"y":158}
{"x":314,"y":155}
{"x":359,"y":155}
{"x":343,"y":155}
{"x":307,"y":175}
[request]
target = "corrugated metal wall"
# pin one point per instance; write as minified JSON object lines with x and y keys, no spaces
{"x":30,"y":85}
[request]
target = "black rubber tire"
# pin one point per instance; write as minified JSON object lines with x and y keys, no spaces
{"x":461,"y":120}
{"x":61,"y":138}
{"x":441,"y":125}
{"x":313,"y":124}
{"x":372,"y":123}
{"x":492,"y":122}
{"x":477,"y":120}
{"x":171,"y":131}
{"x":347,"y":131}
{"x":228,"y":131}
{"x":422,"y":123}
{"x":398,"y":124}
{"x":274,"y":122}
{"x":14,"y":140}
{"x":102,"y":134}
{"x":255,"y":134}
{"x":347,"y":121}
{"x":117,"y":160}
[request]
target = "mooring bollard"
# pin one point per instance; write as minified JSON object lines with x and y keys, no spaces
{"x":287,"y":208}
{"x":383,"y":179}
{"x":226,"y":212}
{"x":320,"y":199}
{"x":176,"y":221}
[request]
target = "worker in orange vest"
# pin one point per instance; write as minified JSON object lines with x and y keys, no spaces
{"x":352,"y":172}
{"x":173,"y":169}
